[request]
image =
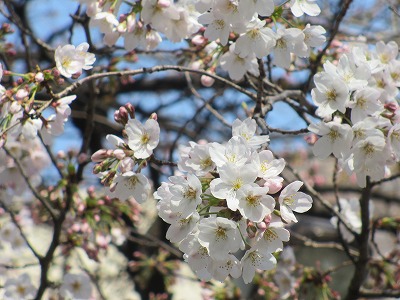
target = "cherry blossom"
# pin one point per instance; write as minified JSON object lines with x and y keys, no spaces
{"x":142,"y":139}
{"x":76,"y":286}
{"x":291,"y":200}
{"x":71,"y":60}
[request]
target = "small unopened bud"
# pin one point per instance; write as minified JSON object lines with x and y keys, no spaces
{"x":199,"y":40}
{"x":391,"y":106}
{"x":131,"y":110}
{"x":56,"y":73}
{"x":121,"y":115}
{"x":262,"y":225}
{"x":164,"y":3}
{"x":311,"y":139}
{"x":99,"y":155}
{"x":61,"y":154}
{"x":207,"y":81}
{"x":153,"y":116}
{"x":39,"y":77}
{"x":119,"y":154}
{"x":21,"y":94}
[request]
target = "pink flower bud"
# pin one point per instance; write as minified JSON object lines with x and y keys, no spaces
{"x":131,"y":110}
{"x":274,"y":186}
{"x":119,"y":154}
{"x":164,"y":3}
{"x":207,"y":81}
{"x":61,"y":154}
{"x":55,"y":72}
{"x":81,"y":207}
{"x":75,"y":227}
{"x":99,"y":155}
{"x":311,"y":138}
{"x":86,"y":228}
{"x":153,"y":116}
{"x":198,"y":40}
{"x":391,"y":106}
{"x":262,"y":226}
{"x":39,"y":77}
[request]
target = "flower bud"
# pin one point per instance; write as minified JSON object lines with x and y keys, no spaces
{"x":119,"y":154}
{"x":131,"y":110}
{"x":199,"y":40}
{"x":39,"y":77}
{"x":99,"y":155}
{"x":21,"y":94}
{"x":153,"y":116}
{"x":207,"y":81}
{"x":164,"y":3}
{"x":56,"y":72}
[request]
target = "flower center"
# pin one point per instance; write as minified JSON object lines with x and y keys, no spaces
{"x":220,"y":234}
{"x":253,"y":200}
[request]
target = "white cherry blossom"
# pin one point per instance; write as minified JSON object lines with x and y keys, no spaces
{"x":308,"y":7}
{"x":70,"y":60}
{"x":185,"y":194}
{"x":221,"y":269}
{"x":335,"y":138}
{"x":76,"y":286}
{"x":291,"y":200}
{"x":131,"y":184}
{"x":238,"y":66}
{"x":257,"y":39}
{"x":247,"y":130}
{"x":19,"y":288}
{"x":232,"y":178}
{"x":142,"y":139}
{"x":271,"y":239}
{"x":330,"y":94}
{"x":256,"y":259}
{"x":220,"y":236}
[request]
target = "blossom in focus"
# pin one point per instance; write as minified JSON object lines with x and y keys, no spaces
{"x":71,"y":60}
{"x":142,"y":139}
{"x":291,"y":200}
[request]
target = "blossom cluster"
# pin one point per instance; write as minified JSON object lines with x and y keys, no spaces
{"x":356,"y":99}
{"x":120,"y":168}
{"x":230,"y":199}
{"x":245,"y":26}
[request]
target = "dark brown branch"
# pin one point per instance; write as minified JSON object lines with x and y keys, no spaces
{"x":361,"y":265}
